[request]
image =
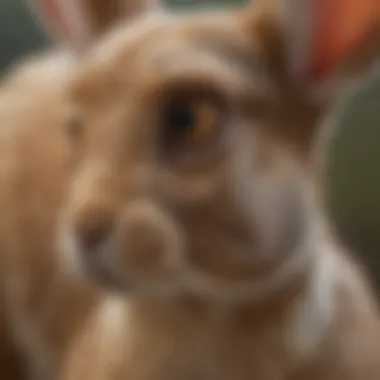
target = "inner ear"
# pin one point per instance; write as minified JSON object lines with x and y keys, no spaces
{"x":294,"y":37}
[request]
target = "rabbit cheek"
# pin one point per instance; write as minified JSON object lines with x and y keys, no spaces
{"x":150,"y":246}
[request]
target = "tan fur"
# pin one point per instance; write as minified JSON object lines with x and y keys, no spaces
{"x":42,"y":306}
{"x":225,"y":265}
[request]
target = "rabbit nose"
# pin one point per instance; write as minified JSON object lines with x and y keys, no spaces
{"x":93,"y":233}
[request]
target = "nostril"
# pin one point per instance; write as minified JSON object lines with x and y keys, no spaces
{"x":93,"y":236}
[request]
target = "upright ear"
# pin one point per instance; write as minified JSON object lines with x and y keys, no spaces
{"x":313,"y":47}
{"x":79,"y":22}
{"x":319,"y":39}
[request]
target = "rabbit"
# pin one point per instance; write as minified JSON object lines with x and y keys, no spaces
{"x":194,"y":198}
{"x":171,"y":163}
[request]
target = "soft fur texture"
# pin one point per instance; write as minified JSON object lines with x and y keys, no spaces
{"x":224,"y":265}
{"x":223,"y":256}
{"x":42,"y":304}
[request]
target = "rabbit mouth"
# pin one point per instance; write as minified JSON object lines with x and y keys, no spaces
{"x":105,"y":276}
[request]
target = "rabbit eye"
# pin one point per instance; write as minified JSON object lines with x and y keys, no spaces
{"x":192,"y":122}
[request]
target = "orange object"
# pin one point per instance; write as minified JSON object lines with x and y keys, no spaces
{"x":340,"y":24}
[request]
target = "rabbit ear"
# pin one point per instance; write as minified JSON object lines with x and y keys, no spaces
{"x":79,"y":22}
{"x":334,"y":28}
{"x":313,"y":49}
{"x":315,"y":36}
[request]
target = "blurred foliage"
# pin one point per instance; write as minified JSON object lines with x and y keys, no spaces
{"x":353,"y":160}
{"x":352,"y":171}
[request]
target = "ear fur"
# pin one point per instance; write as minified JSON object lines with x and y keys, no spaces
{"x":79,"y":22}
{"x":310,"y":57}
{"x":318,"y":37}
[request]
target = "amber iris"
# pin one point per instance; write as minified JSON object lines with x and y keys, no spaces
{"x":192,"y":121}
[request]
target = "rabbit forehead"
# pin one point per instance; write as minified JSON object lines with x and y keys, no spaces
{"x":158,"y":31}
{"x":127,"y":37}
{"x":159,"y":42}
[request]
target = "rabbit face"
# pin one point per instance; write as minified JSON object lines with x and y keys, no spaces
{"x":180,"y":182}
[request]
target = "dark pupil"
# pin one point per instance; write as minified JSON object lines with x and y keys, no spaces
{"x":181,"y":118}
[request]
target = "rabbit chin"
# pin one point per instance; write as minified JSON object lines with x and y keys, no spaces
{"x":219,"y":289}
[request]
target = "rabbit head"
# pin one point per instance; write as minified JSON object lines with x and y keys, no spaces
{"x":191,"y":138}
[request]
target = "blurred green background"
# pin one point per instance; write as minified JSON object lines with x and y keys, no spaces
{"x":353,"y":160}
{"x":19,"y":34}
